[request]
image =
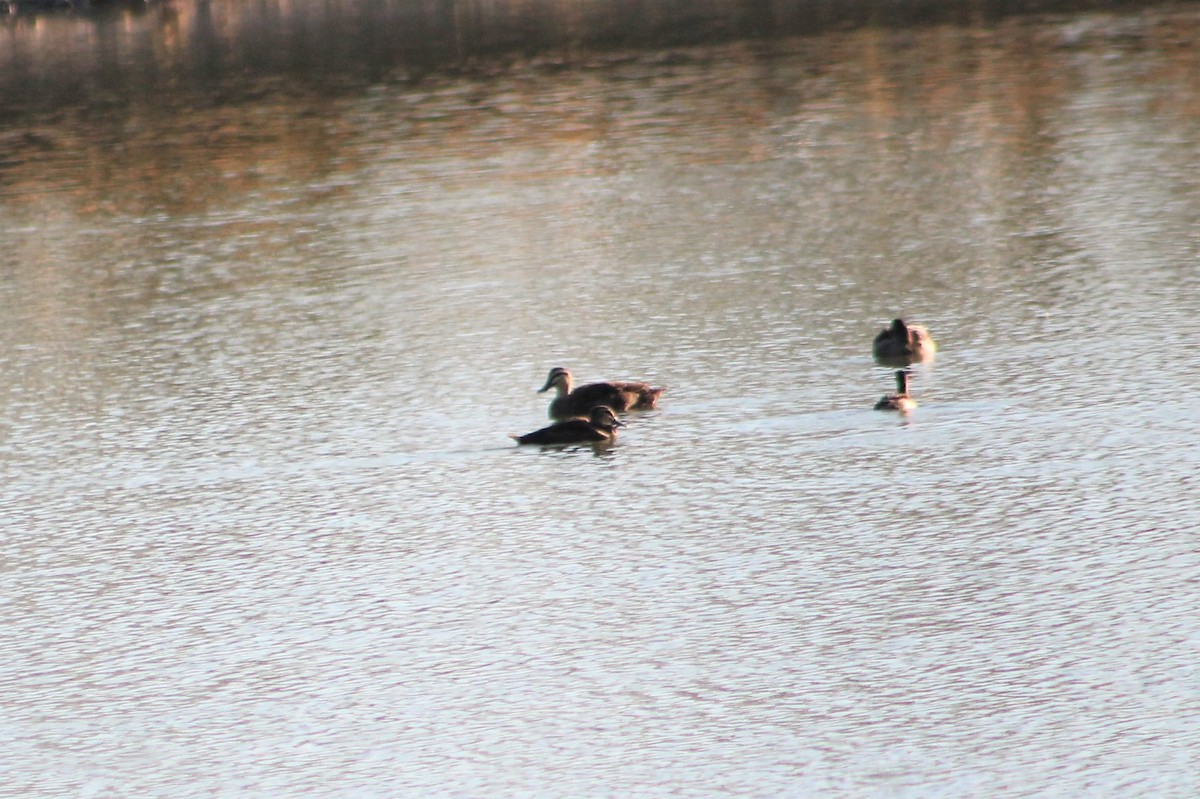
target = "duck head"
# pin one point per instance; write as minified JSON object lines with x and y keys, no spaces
{"x":603,"y":416}
{"x":558,"y":377}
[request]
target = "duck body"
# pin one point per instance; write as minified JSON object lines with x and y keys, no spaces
{"x":902,"y":344}
{"x":619,"y":395}
{"x":599,"y":428}
{"x":898,"y":400}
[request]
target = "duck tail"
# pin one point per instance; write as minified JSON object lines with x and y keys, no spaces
{"x":649,"y":398}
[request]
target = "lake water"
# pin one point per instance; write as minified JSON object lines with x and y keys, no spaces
{"x":264,"y":332}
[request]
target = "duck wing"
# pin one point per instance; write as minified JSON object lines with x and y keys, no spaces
{"x":635,"y":394}
{"x":641,"y":396}
{"x":584,"y":398}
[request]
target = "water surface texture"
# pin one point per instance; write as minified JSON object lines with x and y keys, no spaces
{"x":263,"y":332}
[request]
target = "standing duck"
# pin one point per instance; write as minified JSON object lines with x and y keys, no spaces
{"x":902,"y":344}
{"x":898,"y":400}
{"x":621,"y":395}
{"x":599,"y":428}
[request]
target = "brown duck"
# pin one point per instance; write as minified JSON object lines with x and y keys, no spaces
{"x":599,"y":428}
{"x":902,"y":344}
{"x":620,"y":395}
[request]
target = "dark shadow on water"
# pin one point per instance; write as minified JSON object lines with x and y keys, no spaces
{"x":102,"y":50}
{"x":605,"y":451}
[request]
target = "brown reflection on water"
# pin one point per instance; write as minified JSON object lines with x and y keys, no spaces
{"x":145,"y":142}
{"x":974,"y":128}
{"x":214,"y":47}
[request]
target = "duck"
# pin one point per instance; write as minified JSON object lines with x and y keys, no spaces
{"x":599,"y":428}
{"x":898,"y":400}
{"x":620,"y":395}
{"x":902,"y":343}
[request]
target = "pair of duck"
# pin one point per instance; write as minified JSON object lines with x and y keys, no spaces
{"x":902,"y":344}
{"x":588,"y":414}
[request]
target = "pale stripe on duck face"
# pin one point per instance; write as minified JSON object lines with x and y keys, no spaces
{"x":558,"y":378}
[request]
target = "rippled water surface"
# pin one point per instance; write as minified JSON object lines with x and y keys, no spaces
{"x":262,"y":532}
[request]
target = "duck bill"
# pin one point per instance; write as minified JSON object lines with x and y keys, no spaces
{"x":549,"y":385}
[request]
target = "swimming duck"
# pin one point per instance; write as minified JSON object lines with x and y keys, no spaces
{"x":620,"y":395}
{"x":599,"y":428}
{"x":898,"y":400}
{"x":903,"y":344}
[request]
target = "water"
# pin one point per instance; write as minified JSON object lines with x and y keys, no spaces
{"x":263,"y":533}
